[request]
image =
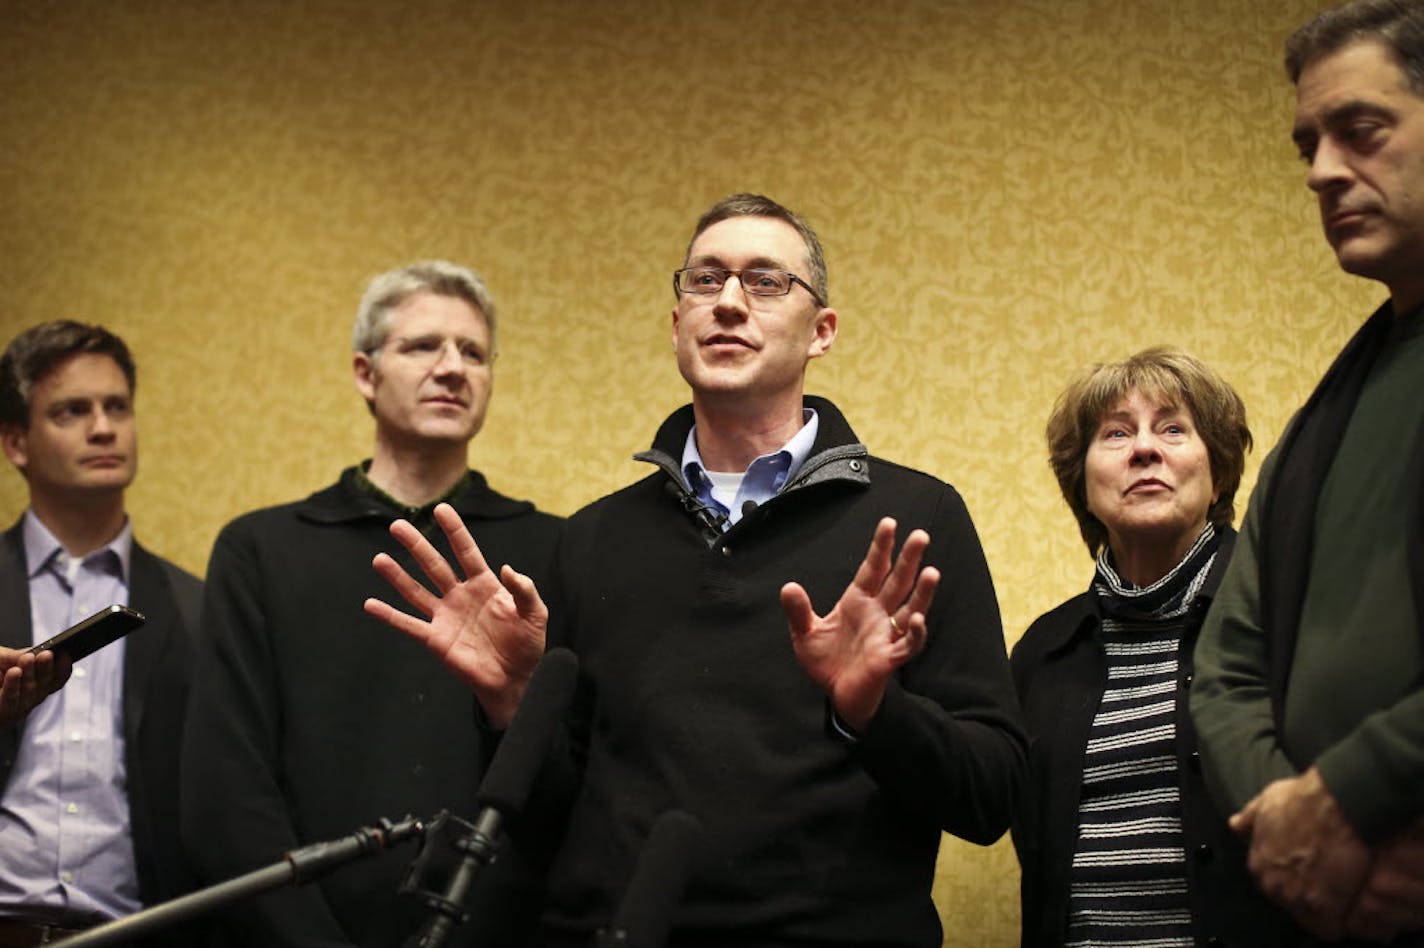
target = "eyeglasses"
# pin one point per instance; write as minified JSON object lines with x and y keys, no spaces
{"x":755,"y":281}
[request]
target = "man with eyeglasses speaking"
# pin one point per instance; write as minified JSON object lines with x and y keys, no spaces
{"x":309,"y":719}
{"x":824,"y":761}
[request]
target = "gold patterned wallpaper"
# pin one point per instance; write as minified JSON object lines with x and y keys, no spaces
{"x":1006,"y":191}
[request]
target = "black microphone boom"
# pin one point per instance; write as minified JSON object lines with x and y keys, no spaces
{"x":506,"y":784}
{"x":645,"y":914}
{"x":297,"y":867}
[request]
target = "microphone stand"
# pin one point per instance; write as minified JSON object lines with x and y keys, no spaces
{"x":479,"y":844}
{"x":297,"y":867}
{"x":503,"y":791}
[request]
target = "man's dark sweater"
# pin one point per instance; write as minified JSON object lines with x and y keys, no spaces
{"x":309,"y":719}
{"x":692,"y":698}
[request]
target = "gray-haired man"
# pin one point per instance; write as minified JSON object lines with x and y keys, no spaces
{"x":310,"y":719}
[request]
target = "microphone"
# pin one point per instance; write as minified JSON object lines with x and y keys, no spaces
{"x":530,"y":734}
{"x":506,"y":784}
{"x":748,"y":507}
{"x":713,"y":520}
{"x":656,"y":887}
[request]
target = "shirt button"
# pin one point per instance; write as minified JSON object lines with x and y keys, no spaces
{"x":71,"y":808}
{"x":418,"y":769}
{"x":66,"y":876}
{"x":76,"y":736}
{"x":82,"y":609}
{"x":726,"y":551}
{"x":80,"y":672}
{"x":1204,"y":854}
{"x":417,"y":698}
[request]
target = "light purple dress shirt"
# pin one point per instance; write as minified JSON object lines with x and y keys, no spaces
{"x":66,"y":850}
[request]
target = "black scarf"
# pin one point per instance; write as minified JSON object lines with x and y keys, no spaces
{"x":1306,"y":451}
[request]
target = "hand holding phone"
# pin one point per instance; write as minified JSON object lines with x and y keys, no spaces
{"x":26,"y":680}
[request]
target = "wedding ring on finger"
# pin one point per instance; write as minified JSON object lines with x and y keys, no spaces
{"x":895,"y":632}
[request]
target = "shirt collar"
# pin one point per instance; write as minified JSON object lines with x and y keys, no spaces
{"x":41,"y":546}
{"x":766,"y":475}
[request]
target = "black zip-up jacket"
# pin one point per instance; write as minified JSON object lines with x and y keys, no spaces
{"x":691,"y":697}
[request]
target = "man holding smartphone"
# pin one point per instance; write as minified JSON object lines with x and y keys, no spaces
{"x":89,"y":780}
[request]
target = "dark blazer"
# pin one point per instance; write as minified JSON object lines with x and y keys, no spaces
{"x":157,"y":671}
{"x":1060,"y":672}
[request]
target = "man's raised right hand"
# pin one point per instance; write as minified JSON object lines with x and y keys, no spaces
{"x":488,"y":627}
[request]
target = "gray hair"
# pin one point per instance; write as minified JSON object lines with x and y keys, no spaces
{"x":389,"y":290}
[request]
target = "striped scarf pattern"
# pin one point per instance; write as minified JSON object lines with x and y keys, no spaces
{"x":1128,"y":882}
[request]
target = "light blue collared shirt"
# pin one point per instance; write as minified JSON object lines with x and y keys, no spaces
{"x":64,"y":816}
{"x":763,"y":478}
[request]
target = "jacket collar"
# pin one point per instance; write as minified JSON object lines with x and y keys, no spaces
{"x":836,"y":455}
{"x":345,"y":502}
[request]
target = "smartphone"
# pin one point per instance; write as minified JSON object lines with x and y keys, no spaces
{"x":89,"y":635}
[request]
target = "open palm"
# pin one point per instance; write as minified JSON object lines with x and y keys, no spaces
{"x":488,"y":627}
{"x":876,"y":626}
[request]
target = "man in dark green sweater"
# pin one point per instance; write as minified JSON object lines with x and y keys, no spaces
{"x":1309,"y":695}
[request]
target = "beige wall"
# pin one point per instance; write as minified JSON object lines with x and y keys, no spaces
{"x":1007,"y":191}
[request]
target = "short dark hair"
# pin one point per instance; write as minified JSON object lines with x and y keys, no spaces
{"x":757,"y":205}
{"x":1399,"y":24}
{"x":39,"y":350}
{"x":1176,"y":378}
